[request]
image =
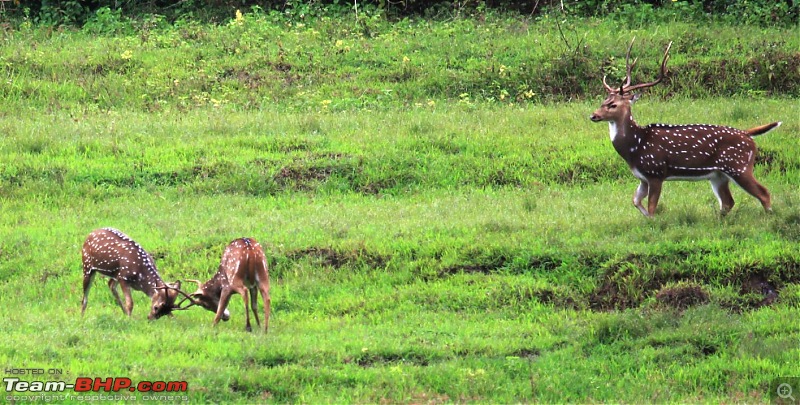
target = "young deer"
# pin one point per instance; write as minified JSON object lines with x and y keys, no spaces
{"x":243,"y":269}
{"x":660,"y":152}
{"x":113,"y":254}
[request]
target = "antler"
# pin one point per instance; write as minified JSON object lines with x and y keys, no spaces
{"x":186,"y":297}
{"x":627,"y":88}
{"x":608,"y":88}
{"x":191,"y":300}
{"x":199,"y":284}
{"x":628,"y":67}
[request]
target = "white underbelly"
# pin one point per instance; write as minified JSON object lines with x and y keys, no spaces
{"x":707,"y":176}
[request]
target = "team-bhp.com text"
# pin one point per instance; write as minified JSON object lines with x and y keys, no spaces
{"x":88,"y":385}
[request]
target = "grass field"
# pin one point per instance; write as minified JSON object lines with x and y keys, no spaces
{"x":455,"y":250}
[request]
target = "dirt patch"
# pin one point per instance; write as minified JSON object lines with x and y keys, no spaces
{"x":545,"y":263}
{"x":759,"y":285}
{"x":329,"y":257}
{"x":481,"y":261}
{"x":304,"y":173}
{"x":556,"y":298}
{"x":530,"y":354}
{"x":628,"y":282}
{"x":367,"y":359}
{"x":469,"y":269}
{"x":683,"y":296}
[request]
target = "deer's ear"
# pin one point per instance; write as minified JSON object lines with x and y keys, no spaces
{"x":634,"y":97}
{"x":177,"y":284}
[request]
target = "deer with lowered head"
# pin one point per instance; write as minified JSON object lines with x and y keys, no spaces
{"x":243,"y":270}
{"x":113,"y":254}
{"x":661,"y":152}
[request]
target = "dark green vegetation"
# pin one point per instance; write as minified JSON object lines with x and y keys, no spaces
{"x":428,"y":244}
{"x":737,"y":12}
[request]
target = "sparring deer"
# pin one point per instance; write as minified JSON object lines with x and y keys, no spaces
{"x":243,"y":270}
{"x":660,"y":152}
{"x":115,"y":255}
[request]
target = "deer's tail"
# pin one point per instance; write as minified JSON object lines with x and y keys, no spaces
{"x":251,"y":259}
{"x":762,"y":129}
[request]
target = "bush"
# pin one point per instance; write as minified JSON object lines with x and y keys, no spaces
{"x":755,"y":12}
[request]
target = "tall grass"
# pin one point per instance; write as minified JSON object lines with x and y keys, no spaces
{"x":263,"y":61}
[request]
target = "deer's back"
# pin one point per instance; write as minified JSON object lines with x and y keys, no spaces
{"x":111,"y":252}
{"x":244,"y":258}
{"x":696,"y":135}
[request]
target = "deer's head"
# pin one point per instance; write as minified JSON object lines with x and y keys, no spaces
{"x":164,"y":300}
{"x":207,"y":296}
{"x":617,"y":106}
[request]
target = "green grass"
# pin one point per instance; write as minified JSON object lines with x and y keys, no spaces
{"x":443,"y":285}
{"x":429,"y":247}
{"x":266,"y":61}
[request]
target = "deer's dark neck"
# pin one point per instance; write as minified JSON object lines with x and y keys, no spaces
{"x":626,"y":136}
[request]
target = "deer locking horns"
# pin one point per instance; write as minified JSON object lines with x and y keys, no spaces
{"x":660,"y":152}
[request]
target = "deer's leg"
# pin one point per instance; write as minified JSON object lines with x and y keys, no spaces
{"x":126,"y":291}
{"x":641,"y":191}
{"x":720,"y":185}
{"x":88,"y":276}
{"x":267,"y":301}
{"x":749,"y":183}
{"x":112,"y":284}
{"x":246,"y":296}
{"x":224,"y":298}
{"x":254,"y":303}
{"x":654,"y":192}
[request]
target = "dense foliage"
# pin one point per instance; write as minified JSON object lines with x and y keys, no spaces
{"x":760,"y":12}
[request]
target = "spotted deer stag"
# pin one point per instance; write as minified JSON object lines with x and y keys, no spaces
{"x":243,"y":270}
{"x":115,"y":255}
{"x":660,"y":152}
